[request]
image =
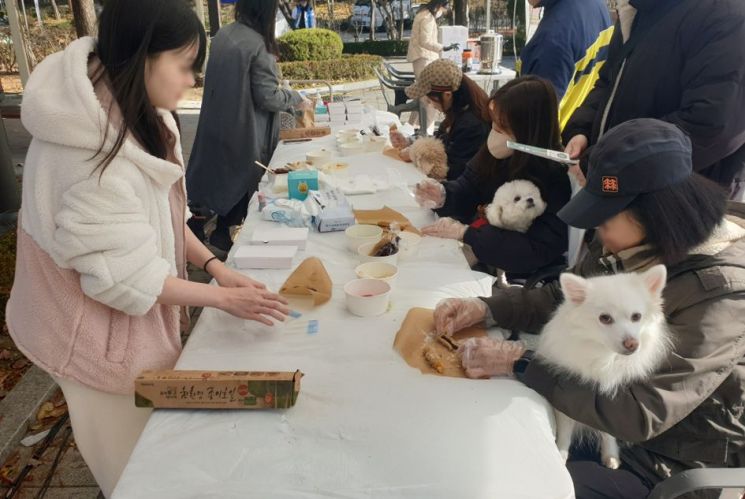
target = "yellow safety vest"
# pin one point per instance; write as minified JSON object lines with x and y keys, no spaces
{"x":586,"y":73}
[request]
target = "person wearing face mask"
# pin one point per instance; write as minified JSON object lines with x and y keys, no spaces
{"x":649,"y":208}
{"x":524,"y":110}
{"x":424,"y":48}
{"x":465,"y":104}
{"x":101,"y":287}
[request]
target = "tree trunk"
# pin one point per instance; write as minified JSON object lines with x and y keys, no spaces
{"x":39,"y":20}
{"x":285,"y":6}
{"x":373,"y":8}
{"x":460,"y":10}
{"x":56,"y":10}
{"x":84,"y":14}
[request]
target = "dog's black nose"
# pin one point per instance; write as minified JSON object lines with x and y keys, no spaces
{"x":631,"y":345}
{"x":530,"y":201}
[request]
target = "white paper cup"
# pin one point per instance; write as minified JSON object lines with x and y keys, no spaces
{"x":364,"y":252}
{"x":352,"y":148}
{"x":319,"y":157}
{"x":386,"y":272}
{"x":358,"y":235}
{"x":376,"y":144}
{"x":367,"y":297}
{"x":409,"y":243}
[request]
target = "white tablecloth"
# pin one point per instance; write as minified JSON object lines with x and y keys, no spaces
{"x":365,"y":425}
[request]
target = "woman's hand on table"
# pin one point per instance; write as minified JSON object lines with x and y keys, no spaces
{"x":229,"y":278}
{"x":454,"y":314}
{"x":485,"y":357}
{"x":446,"y":228}
{"x":254,"y":304}
{"x":430,"y":193}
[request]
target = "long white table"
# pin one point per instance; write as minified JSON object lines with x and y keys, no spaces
{"x":365,"y":425}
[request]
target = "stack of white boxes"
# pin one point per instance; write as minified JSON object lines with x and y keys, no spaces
{"x":337,"y":113}
{"x":345,"y":113}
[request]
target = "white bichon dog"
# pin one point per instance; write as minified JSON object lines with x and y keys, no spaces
{"x":516,"y":204}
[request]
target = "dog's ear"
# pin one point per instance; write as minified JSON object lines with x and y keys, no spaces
{"x":655,"y":280}
{"x":574,"y":288}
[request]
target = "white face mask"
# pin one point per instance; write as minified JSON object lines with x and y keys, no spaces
{"x":497,"y":145}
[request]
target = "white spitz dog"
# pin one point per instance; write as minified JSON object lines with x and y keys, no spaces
{"x":609,"y":332}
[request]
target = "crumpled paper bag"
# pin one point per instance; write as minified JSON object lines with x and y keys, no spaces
{"x":384,"y":217}
{"x":417,"y":334}
{"x":309,"y":279}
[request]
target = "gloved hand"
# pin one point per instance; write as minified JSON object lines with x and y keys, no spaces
{"x":306,"y":104}
{"x":430,"y":193}
{"x":399,"y":140}
{"x":446,"y":228}
{"x":486,"y":357}
{"x":454,"y":314}
{"x":450,"y":47}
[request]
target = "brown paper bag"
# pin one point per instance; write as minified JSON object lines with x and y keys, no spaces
{"x":417,"y":334}
{"x":384,"y":217}
{"x":309,"y":279}
{"x":307,"y":117}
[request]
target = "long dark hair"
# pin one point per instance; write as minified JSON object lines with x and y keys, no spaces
{"x":433,"y":5}
{"x":261,"y":16}
{"x":679,"y":218}
{"x":469,"y":97}
{"x":131,"y":31}
{"x":527,"y":107}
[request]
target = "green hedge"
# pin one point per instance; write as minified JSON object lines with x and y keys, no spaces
{"x":343,"y":69}
{"x":385,"y":48}
{"x":310,"y":45}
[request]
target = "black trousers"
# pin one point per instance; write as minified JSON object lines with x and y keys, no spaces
{"x":235,"y":216}
{"x":592,"y":480}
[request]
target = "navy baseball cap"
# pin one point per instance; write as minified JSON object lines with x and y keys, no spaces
{"x":633,"y":158}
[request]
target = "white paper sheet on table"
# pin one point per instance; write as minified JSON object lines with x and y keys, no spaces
{"x":366,"y":425}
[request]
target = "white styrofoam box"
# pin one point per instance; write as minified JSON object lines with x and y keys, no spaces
{"x":454,"y":34}
{"x":281,"y":236}
{"x":264,"y":257}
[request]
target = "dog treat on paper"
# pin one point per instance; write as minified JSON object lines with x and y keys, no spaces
{"x":433,"y":359}
{"x":309,"y":279}
{"x":387,"y":246}
{"x":415,"y":338}
{"x":385,"y":217}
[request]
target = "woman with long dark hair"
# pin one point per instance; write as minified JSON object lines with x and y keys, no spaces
{"x":239,"y":121}
{"x":101,"y":290}
{"x":524,"y":110}
{"x":464,"y":103}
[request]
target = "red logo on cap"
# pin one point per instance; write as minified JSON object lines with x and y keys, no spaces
{"x":610,"y":184}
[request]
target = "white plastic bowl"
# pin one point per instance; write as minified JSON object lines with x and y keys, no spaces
{"x":364,"y":252}
{"x":352,"y":148}
{"x":367,"y":297}
{"x":409,"y":243}
{"x":376,"y":144}
{"x":350,"y":133}
{"x":319,"y":157}
{"x":386,"y":272}
{"x":358,"y":235}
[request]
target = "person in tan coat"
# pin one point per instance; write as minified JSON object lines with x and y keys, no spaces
{"x":649,"y":208}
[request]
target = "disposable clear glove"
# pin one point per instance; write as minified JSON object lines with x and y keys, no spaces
{"x":430,"y":193}
{"x":454,"y":314}
{"x":446,"y":228}
{"x":486,"y":357}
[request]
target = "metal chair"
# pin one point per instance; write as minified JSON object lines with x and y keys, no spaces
{"x":397,"y":109}
{"x":699,"y":479}
{"x":397,"y":73}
